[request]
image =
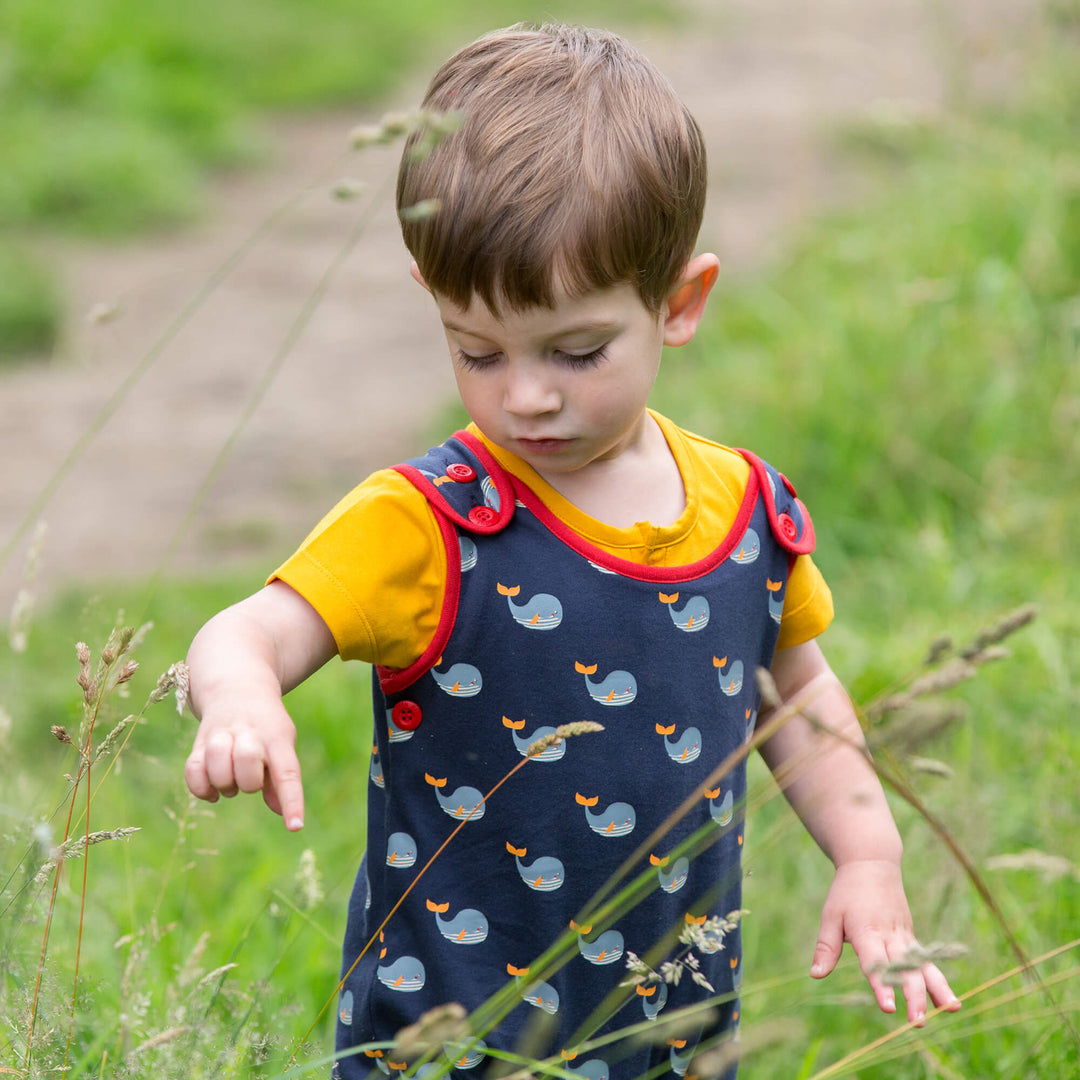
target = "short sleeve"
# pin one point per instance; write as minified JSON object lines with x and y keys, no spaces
{"x":374,"y":569}
{"x":808,"y":604}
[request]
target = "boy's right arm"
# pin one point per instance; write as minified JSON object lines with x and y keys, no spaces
{"x":240,"y":664}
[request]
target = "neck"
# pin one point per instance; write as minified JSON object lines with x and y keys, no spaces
{"x":641,"y":483}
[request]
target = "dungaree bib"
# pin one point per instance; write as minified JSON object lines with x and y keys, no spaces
{"x":540,"y":629}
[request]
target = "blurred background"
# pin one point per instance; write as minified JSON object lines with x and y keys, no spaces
{"x":208,"y":335}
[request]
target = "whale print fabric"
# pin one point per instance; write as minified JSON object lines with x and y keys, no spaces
{"x":539,"y":638}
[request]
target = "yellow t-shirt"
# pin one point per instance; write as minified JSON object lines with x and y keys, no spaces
{"x":374,"y":568}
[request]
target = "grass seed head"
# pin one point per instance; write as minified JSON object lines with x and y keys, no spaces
{"x":563,"y":731}
{"x":1051,"y":867}
{"x":175,"y":679}
{"x":443,"y":1024}
{"x":103,"y":312}
{"x":908,"y":731}
{"x":998,"y":631}
{"x":916,"y":957}
{"x":425,"y":208}
{"x":162,"y":1039}
{"x":770,"y":696}
{"x":348,"y":189}
{"x":309,"y":890}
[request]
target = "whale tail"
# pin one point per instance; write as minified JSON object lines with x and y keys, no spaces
{"x":711,"y":793}
{"x":645,"y":991}
{"x":433,"y":782}
{"x":661,"y":730}
{"x":584,"y":800}
{"x":773,"y":586}
{"x":669,"y":598}
{"x":583,"y":669}
{"x":569,"y":1055}
{"x":719,"y":662}
{"x":517,"y":972}
{"x":580,"y":929}
{"x":439,"y":909}
{"x":520,"y":852}
{"x":514,"y":725}
{"x":695,"y":920}
{"x":656,"y":860}
{"x":508,"y":590}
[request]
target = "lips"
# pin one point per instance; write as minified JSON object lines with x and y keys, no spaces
{"x":543,"y":446}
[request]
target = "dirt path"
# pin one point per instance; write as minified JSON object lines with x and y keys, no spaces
{"x":768,"y":81}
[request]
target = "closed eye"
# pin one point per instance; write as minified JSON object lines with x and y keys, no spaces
{"x":582,"y":360}
{"x":477,"y":363}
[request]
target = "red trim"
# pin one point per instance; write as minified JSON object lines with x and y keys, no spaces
{"x":503,"y":484}
{"x":438,"y":501}
{"x":393,"y":680}
{"x":635,"y":570}
{"x":796,"y":547}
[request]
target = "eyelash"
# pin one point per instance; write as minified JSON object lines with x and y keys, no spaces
{"x":571,"y":360}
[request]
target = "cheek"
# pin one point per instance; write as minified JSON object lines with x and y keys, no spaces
{"x":479,"y":395}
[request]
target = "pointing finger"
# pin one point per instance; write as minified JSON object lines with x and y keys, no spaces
{"x":288,"y":789}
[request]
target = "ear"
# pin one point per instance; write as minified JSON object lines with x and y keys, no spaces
{"x":686,"y":302}
{"x":414,"y":272}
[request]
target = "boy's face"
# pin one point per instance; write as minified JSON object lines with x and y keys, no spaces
{"x":563,"y":388}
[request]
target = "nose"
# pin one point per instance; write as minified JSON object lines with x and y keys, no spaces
{"x":530,"y":390}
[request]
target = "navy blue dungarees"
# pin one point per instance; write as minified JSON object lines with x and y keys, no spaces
{"x":540,"y":629}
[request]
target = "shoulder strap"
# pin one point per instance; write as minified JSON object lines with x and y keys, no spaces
{"x":464,"y":483}
{"x":467,"y":489}
{"x":788,"y":518}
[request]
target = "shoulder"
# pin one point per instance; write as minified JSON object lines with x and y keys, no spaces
{"x":375,"y":561}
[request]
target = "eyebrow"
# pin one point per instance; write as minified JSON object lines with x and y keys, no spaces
{"x":602,"y":326}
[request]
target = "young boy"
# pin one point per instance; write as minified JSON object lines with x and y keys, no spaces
{"x":573,"y":556}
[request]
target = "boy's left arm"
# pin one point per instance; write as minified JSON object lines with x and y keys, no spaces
{"x":833,"y":788}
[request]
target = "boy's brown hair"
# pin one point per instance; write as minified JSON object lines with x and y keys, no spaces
{"x":576,"y":165}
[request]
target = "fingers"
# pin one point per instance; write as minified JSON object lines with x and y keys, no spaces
{"x":196,"y":777}
{"x":873,"y":959}
{"x":926,"y":980}
{"x":225,"y":761}
{"x":285,"y":786}
{"x":876,"y":956}
{"x":914,"y":988}
{"x":830,"y":943}
{"x":941,"y":993}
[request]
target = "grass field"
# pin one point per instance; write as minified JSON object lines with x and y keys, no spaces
{"x":914,"y":367}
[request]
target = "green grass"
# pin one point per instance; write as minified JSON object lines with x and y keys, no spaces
{"x":116,"y":111}
{"x":913,"y":366}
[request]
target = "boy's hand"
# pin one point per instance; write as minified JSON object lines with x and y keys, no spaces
{"x":239,"y":665}
{"x":238,"y":753}
{"x":867,"y":907}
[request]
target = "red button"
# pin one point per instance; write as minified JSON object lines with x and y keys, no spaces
{"x":461,"y":472}
{"x":788,"y":526}
{"x":483,"y":515}
{"x":406,"y":715}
